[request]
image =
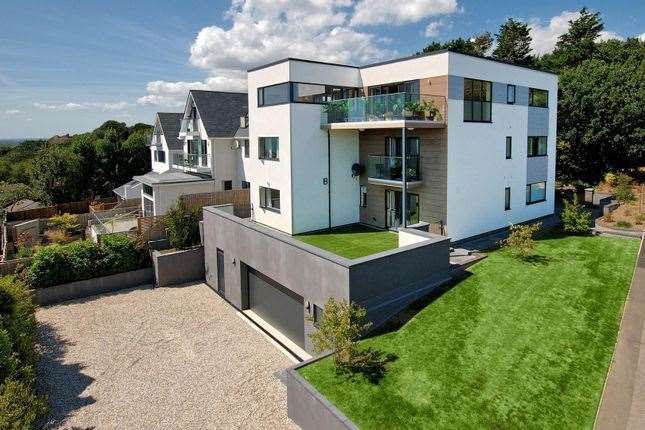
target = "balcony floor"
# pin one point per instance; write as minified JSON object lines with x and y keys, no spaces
{"x":397,"y":123}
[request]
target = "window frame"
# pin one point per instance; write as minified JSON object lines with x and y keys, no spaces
{"x":290,"y":96}
{"x":246,"y":148}
{"x":509,"y":147}
{"x":260,"y":94}
{"x":145,"y":188}
{"x":508,"y":87}
{"x":264,"y":202}
{"x":245,"y":185}
{"x":507,"y":198}
{"x":532,"y":96}
{"x":528,"y":193}
{"x":161,"y":156}
{"x":483,"y":102}
{"x":262,"y":151}
{"x":530,"y":145}
{"x":363,"y":196}
{"x":317,"y":313}
{"x":225,"y":183}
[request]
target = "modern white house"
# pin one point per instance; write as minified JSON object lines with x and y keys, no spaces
{"x":326,"y":144}
{"x":197,"y":151}
{"x":440,"y":148}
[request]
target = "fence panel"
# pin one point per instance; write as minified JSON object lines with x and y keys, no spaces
{"x":240,"y":199}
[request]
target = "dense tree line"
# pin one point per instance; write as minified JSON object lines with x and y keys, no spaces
{"x":601,"y":98}
{"x":83,"y":166}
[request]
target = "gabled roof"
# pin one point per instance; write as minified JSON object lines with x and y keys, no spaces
{"x":220,"y":111}
{"x":170,"y":125}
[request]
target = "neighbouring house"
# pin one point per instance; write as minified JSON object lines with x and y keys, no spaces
{"x":453,"y":144}
{"x":197,"y":151}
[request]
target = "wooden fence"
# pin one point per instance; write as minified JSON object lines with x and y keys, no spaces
{"x":151,"y":228}
{"x":240,"y":199}
{"x":79,"y":207}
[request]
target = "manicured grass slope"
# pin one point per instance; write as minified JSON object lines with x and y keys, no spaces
{"x":515,"y":345}
{"x":352,"y":242}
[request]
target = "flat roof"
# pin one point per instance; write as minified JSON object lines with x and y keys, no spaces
{"x":169,"y":177}
{"x":401,"y":59}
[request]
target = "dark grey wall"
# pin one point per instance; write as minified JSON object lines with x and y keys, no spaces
{"x":91,"y":287}
{"x":178,"y":267}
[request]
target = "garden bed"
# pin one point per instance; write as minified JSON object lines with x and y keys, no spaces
{"x":516,"y":342}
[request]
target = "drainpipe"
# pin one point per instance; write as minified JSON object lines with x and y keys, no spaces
{"x":329,"y":177}
{"x":404,"y":176}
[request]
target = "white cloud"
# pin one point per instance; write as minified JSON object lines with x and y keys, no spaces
{"x":262,"y":31}
{"x":433,"y":28}
{"x":12,"y":111}
{"x":641,"y":37}
{"x":371,"y":12}
{"x":66,"y":107}
{"x":545,"y":37}
{"x":608,"y":35}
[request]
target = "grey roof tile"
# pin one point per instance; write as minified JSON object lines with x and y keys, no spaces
{"x":220,"y":111}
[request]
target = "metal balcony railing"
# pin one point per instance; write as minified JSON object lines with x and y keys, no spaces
{"x":386,"y":107}
{"x":390,"y":168}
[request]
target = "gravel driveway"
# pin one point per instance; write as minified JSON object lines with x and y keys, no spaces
{"x":176,"y":357}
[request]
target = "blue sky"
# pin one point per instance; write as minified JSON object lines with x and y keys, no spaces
{"x":67,"y":66}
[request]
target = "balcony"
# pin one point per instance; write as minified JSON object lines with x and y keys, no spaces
{"x":387,"y":170}
{"x":189,"y":127}
{"x":198,"y":163}
{"x":386,"y":111}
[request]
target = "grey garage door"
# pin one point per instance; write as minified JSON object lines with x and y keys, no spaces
{"x":277,"y":305}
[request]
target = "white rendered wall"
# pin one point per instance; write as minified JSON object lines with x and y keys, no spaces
{"x":345,"y":190}
{"x":477,"y":169}
{"x":166,"y":195}
{"x":225,"y":162}
{"x":416,"y":68}
{"x":156,"y":166}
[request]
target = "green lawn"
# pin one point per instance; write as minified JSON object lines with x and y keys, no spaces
{"x":353,"y":241}
{"x":514,"y":345}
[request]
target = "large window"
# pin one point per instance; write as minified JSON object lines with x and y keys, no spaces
{"x":160,"y":156}
{"x":269,"y":198}
{"x":536,"y":146}
{"x":409,"y":87}
{"x":273,"y":95}
{"x":509,"y":147}
{"x":477,"y":100}
{"x":538,"y":98}
{"x":268,"y":148}
{"x":245,"y":185}
{"x":227,"y":185}
{"x":510,"y":94}
{"x":535,"y":193}
{"x":507,"y":198}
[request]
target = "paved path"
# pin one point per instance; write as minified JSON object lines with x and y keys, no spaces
{"x":148,"y":358}
{"x":623,"y":401}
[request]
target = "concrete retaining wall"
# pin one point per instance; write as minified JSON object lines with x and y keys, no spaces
{"x":177,"y":267}
{"x":91,"y":287}
{"x":308,"y":408}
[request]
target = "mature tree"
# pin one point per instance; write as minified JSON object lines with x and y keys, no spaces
{"x":55,"y":174}
{"x":482,"y":43}
{"x":135,"y":149}
{"x":578,"y":44}
{"x":11,"y":194}
{"x":514,"y":43}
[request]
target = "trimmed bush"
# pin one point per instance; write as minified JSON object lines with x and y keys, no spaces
{"x":122,"y":254}
{"x":76,"y":261}
{"x":520,"y":240}
{"x":20,"y":407}
{"x":182,"y":224}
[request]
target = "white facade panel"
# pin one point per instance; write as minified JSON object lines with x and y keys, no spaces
{"x":345,"y":197}
{"x":416,"y":68}
{"x":303,"y":71}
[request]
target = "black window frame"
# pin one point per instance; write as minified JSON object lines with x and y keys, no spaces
{"x":227,"y":185}
{"x":533,"y":146}
{"x":528,"y":193}
{"x":317,"y":312}
{"x":509,"y":147}
{"x":147,"y":190}
{"x":245,"y":185}
{"x":260,"y":93}
{"x":348,"y":92}
{"x":262,"y":154}
{"x":246,"y":148}
{"x":532,"y":92}
{"x":507,"y":198}
{"x":484,"y":103}
{"x":508,"y":99}
{"x":161,"y":156}
{"x":266,"y":195}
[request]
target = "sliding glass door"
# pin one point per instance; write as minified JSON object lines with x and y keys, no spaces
{"x":393,"y":209}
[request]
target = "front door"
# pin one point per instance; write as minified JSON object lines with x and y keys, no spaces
{"x":393,"y":209}
{"x":220,"y":272}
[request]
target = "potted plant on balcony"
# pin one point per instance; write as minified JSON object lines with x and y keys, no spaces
{"x":430,"y":110}
{"x":336,"y":111}
{"x":413,"y":110}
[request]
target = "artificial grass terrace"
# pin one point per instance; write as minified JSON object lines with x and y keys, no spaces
{"x":514,"y":345}
{"x":352,"y":241}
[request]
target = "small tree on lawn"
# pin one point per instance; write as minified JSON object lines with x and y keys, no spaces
{"x":575,"y":219}
{"x":341,"y":325}
{"x":520,"y":240}
{"x":182,"y":224}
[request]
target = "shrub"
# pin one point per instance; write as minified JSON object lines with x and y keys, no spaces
{"x":182,"y":224}
{"x":58,"y":236}
{"x":48,"y":267}
{"x":65,"y":222}
{"x":520,"y":240}
{"x":20,"y":407}
{"x":575,"y":219}
{"x":610,"y":178}
{"x":85,"y":259}
{"x":624,"y":224}
{"x":623,"y":189}
{"x":341,"y":325}
{"x":640,"y":219}
{"x":122,"y":254}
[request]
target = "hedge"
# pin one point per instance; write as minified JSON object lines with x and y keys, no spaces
{"x":20,"y":406}
{"x":76,"y":261}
